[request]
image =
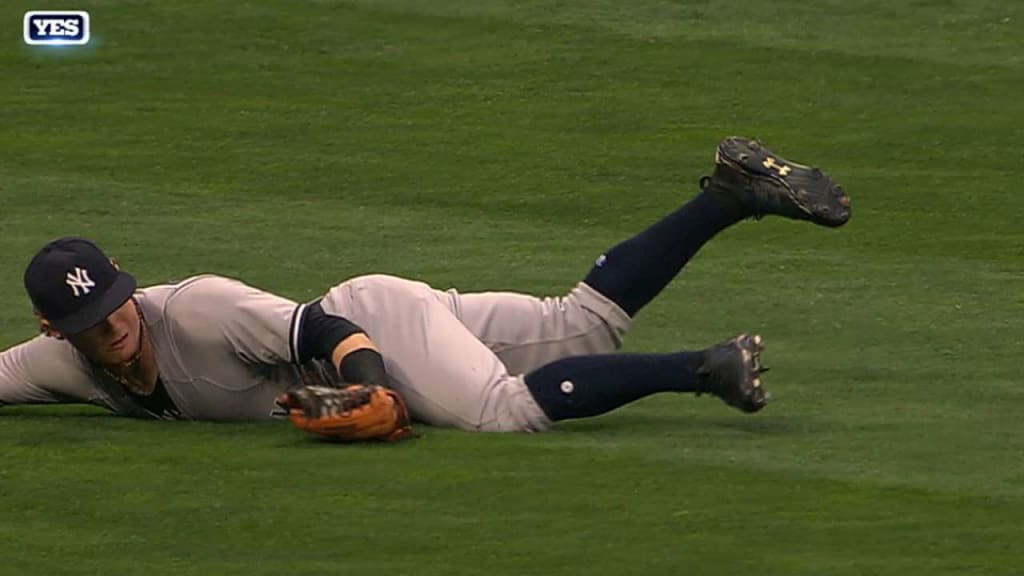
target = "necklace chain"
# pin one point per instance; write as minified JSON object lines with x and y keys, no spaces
{"x":134,"y":360}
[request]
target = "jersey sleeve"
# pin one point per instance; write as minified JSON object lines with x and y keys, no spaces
{"x":258,"y":326}
{"x":44,"y":371}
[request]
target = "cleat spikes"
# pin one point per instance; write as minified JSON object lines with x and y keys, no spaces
{"x":731,"y":370}
{"x":759,"y":182}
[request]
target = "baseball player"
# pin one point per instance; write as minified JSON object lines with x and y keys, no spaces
{"x":214,"y":348}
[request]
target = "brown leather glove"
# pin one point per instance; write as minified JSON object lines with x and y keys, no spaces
{"x":351,"y":414}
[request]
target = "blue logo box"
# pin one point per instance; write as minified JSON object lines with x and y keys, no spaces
{"x":53,"y":28}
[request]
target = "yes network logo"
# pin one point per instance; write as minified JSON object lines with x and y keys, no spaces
{"x":53,"y":28}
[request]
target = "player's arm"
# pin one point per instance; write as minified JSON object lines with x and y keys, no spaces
{"x":263,"y":328}
{"x":366,"y":409}
{"x":42,"y":371}
{"x":351,"y":351}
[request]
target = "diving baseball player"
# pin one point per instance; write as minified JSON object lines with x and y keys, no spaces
{"x":213,"y":348}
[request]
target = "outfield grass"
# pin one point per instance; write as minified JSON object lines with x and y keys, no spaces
{"x":502,"y":145}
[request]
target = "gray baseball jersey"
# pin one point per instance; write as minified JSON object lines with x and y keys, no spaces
{"x":222,"y":348}
{"x":226,"y":350}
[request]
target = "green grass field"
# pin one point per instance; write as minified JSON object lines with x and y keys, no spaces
{"x":499,"y":144}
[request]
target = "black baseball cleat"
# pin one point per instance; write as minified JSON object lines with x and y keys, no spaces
{"x":760,"y":182}
{"x":732,"y":371}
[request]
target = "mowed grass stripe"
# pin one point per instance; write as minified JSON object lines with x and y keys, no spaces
{"x":665,"y":511}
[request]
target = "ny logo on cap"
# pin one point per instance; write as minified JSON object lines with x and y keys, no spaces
{"x":80,"y":281}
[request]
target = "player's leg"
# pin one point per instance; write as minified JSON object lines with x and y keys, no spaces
{"x":527,"y":332}
{"x":749,"y":181}
{"x":446,"y":375}
{"x":449,"y":378}
{"x":636,"y":270}
{"x":564,"y":346}
{"x":584,"y":386}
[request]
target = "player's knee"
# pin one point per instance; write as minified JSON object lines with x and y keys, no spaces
{"x":609,"y":322}
{"x":511,"y":408}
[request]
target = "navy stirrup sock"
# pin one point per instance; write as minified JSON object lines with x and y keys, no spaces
{"x":633,"y":272}
{"x":582,"y":386}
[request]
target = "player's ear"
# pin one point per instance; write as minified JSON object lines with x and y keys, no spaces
{"x":115,"y":264}
{"x":46,"y":328}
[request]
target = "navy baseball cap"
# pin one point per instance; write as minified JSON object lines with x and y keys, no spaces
{"x":73,"y":284}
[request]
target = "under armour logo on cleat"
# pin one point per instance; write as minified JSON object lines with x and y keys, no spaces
{"x":80,"y":282}
{"x":769,"y":163}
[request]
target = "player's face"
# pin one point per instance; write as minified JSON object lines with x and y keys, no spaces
{"x":113,"y":341}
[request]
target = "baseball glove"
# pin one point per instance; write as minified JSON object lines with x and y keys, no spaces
{"x":349,"y":414}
